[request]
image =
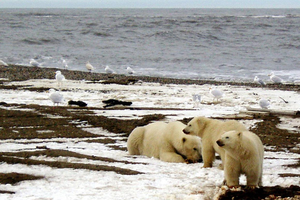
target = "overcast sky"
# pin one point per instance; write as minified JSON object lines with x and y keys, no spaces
{"x":149,"y":3}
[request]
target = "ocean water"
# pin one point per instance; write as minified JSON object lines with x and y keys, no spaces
{"x":218,"y":44}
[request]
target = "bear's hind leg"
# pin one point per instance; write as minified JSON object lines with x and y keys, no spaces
{"x":135,"y":141}
{"x":171,"y":157}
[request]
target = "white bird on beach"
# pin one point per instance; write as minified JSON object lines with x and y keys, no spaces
{"x":259,"y":81}
{"x":56,"y":97}
{"x":34,"y":63}
{"x":59,"y":78}
{"x":275,"y":79}
{"x":264,"y":104}
{"x":197,"y":100}
{"x":89,"y":66}
{"x":2,"y":63}
{"x":108,"y":70}
{"x":130,"y":70}
{"x":218,"y":94}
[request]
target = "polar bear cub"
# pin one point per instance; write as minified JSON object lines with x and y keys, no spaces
{"x":210,"y":130}
{"x":244,"y":154}
{"x":165,"y":141}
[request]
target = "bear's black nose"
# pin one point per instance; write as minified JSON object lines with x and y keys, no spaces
{"x":220,"y":143}
{"x":185,"y":131}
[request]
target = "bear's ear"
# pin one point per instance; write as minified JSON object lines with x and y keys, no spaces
{"x":240,"y":134}
{"x":183,"y":140}
{"x":199,"y":120}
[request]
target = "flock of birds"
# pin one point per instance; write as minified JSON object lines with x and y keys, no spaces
{"x":56,"y":97}
{"x":218,"y":94}
{"x":273,"y":78}
{"x":88,"y":66}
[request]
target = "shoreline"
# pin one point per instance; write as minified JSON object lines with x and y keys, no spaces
{"x":21,"y":73}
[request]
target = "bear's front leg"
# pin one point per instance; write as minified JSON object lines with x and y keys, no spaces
{"x":232,"y":171}
{"x":171,"y":157}
{"x":208,"y":155}
{"x":253,"y":178}
{"x":222,"y":155}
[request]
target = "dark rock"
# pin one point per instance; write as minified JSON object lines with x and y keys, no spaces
{"x":78,"y":103}
{"x":113,"y":102}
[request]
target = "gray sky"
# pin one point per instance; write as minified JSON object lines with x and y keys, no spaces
{"x":149,"y":3}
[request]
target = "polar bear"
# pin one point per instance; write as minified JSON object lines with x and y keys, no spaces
{"x":165,"y":141}
{"x":210,"y":130}
{"x":244,"y":154}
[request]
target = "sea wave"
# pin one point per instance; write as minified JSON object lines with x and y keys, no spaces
{"x":36,"y":14}
{"x":41,"y":41}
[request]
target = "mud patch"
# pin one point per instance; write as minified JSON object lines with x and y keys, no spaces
{"x":277,"y":192}
{"x":20,"y":124}
{"x":270,"y":135}
{"x":24,"y":158}
{"x":14,"y":178}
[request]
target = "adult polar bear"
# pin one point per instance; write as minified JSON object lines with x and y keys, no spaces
{"x":210,"y":131}
{"x":244,"y":154}
{"x":164,"y":141}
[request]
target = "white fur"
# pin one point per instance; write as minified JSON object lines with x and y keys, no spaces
{"x":164,"y":141}
{"x":210,"y":130}
{"x":244,"y":153}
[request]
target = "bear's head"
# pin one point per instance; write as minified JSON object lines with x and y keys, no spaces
{"x":230,"y":139}
{"x":190,"y":148}
{"x":196,"y":126}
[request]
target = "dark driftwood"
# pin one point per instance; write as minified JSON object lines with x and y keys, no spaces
{"x":275,"y":112}
{"x":113,"y":102}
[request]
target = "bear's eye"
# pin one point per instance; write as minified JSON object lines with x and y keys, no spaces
{"x":190,"y":125}
{"x":195,"y":149}
{"x":226,"y":137}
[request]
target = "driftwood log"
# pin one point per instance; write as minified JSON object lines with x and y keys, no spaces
{"x":114,"y":102}
{"x":274,"y":112}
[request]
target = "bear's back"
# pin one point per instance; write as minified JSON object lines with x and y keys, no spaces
{"x":174,"y":129}
{"x":255,"y":142}
{"x":152,"y":138}
{"x":233,"y":125}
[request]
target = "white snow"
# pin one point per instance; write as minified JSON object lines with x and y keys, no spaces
{"x":160,"y":180}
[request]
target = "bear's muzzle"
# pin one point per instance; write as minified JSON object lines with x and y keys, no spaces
{"x":220,"y":143}
{"x":184,"y":131}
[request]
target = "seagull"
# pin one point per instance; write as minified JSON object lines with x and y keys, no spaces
{"x":108,"y":70}
{"x":34,"y":63}
{"x":56,"y":97}
{"x":2,"y":63}
{"x":65,"y":64}
{"x":130,"y":70}
{"x":275,"y":79}
{"x":196,"y":99}
{"x":218,"y":94}
{"x":259,"y":81}
{"x":89,"y":66}
{"x":59,"y":78}
{"x":264,"y":104}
